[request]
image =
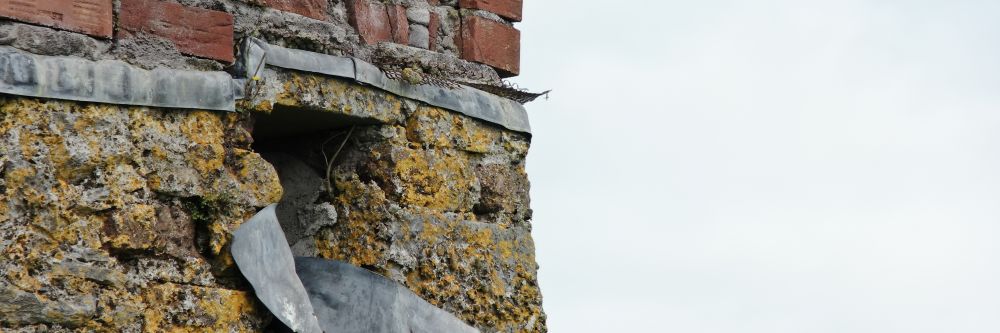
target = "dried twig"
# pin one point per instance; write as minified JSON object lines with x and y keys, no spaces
{"x":329,"y":161}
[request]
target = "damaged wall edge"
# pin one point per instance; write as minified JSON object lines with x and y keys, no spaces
{"x":113,"y":82}
{"x":465,"y":100}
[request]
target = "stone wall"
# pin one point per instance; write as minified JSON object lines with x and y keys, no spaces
{"x":117,"y":218}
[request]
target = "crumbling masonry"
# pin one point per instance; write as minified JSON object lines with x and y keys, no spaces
{"x":137,"y":136}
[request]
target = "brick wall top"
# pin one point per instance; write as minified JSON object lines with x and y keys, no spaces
{"x":195,"y":31}
{"x":492,"y":43}
{"x":509,"y":9}
{"x":92,"y":17}
{"x":350,"y":27}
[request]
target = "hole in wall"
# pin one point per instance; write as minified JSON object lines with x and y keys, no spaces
{"x":303,"y":145}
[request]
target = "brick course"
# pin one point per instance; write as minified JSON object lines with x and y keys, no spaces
{"x":509,"y":9}
{"x":495,"y":44}
{"x":92,"y":17}
{"x":195,"y":31}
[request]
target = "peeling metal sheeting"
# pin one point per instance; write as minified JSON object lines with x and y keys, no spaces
{"x":465,"y":100}
{"x":112,"y":82}
{"x":349,"y":299}
{"x":263,"y":256}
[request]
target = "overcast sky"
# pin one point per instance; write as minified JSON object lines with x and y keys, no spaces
{"x":766,"y":166}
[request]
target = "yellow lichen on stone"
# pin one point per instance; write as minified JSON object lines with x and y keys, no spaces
{"x":436,"y":179}
{"x":183,"y":309}
{"x":334,"y":95}
{"x":92,"y":199}
{"x":445,"y":129}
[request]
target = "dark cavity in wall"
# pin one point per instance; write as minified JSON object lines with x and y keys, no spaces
{"x":304,"y":146}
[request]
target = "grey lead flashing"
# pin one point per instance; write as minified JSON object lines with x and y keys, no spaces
{"x":465,"y":100}
{"x":312,"y":295}
{"x":263,"y":256}
{"x":257,"y":50}
{"x":350,"y":299}
{"x":113,"y":82}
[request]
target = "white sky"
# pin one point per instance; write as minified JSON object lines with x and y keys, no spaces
{"x":766,"y":166}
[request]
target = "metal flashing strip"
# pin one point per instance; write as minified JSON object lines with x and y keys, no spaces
{"x":312,"y":295}
{"x":264,"y":258}
{"x":351,"y":299}
{"x":113,"y":82}
{"x":465,"y":100}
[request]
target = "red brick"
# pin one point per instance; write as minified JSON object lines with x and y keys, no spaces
{"x":376,"y":22}
{"x":509,"y":9}
{"x":92,"y":17}
{"x":195,"y":31}
{"x":370,"y":20}
{"x":495,"y":44}
{"x":400,"y":25}
{"x":309,"y":8}
{"x":433,"y":28}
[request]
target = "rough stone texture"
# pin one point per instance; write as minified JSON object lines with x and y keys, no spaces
{"x":115,"y":219}
{"x":436,"y":63}
{"x":492,"y":43}
{"x":92,"y":17}
{"x":310,"y":8}
{"x":429,"y":198}
{"x":295,"y":31}
{"x":449,"y":31}
{"x":301,"y":212}
{"x":44,"y":41}
{"x":418,"y":15}
{"x":419,"y":36}
{"x":195,"y":31}
{"x":509,"y":9}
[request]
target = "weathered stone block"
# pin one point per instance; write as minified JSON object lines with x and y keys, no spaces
{"x":492,"y":43}
{"x":509,"y":9}
{"x":183,"y":308}
{"x":194,"y":31}
{"x":419,"y":36}
{"x":92,"y":17}
{"x":309,"y":8}
{"x":420,"y":16}
{"x":83,"y":195}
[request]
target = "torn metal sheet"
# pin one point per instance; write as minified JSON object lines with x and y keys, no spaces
{"x":112,"y":82}
{"x":263,"y":256}
{"x":350,"y":299}
{"x":465,"y":100}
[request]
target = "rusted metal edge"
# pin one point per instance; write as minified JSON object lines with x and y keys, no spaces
{"x":113,"y":82}
{"x":465,"y":100}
